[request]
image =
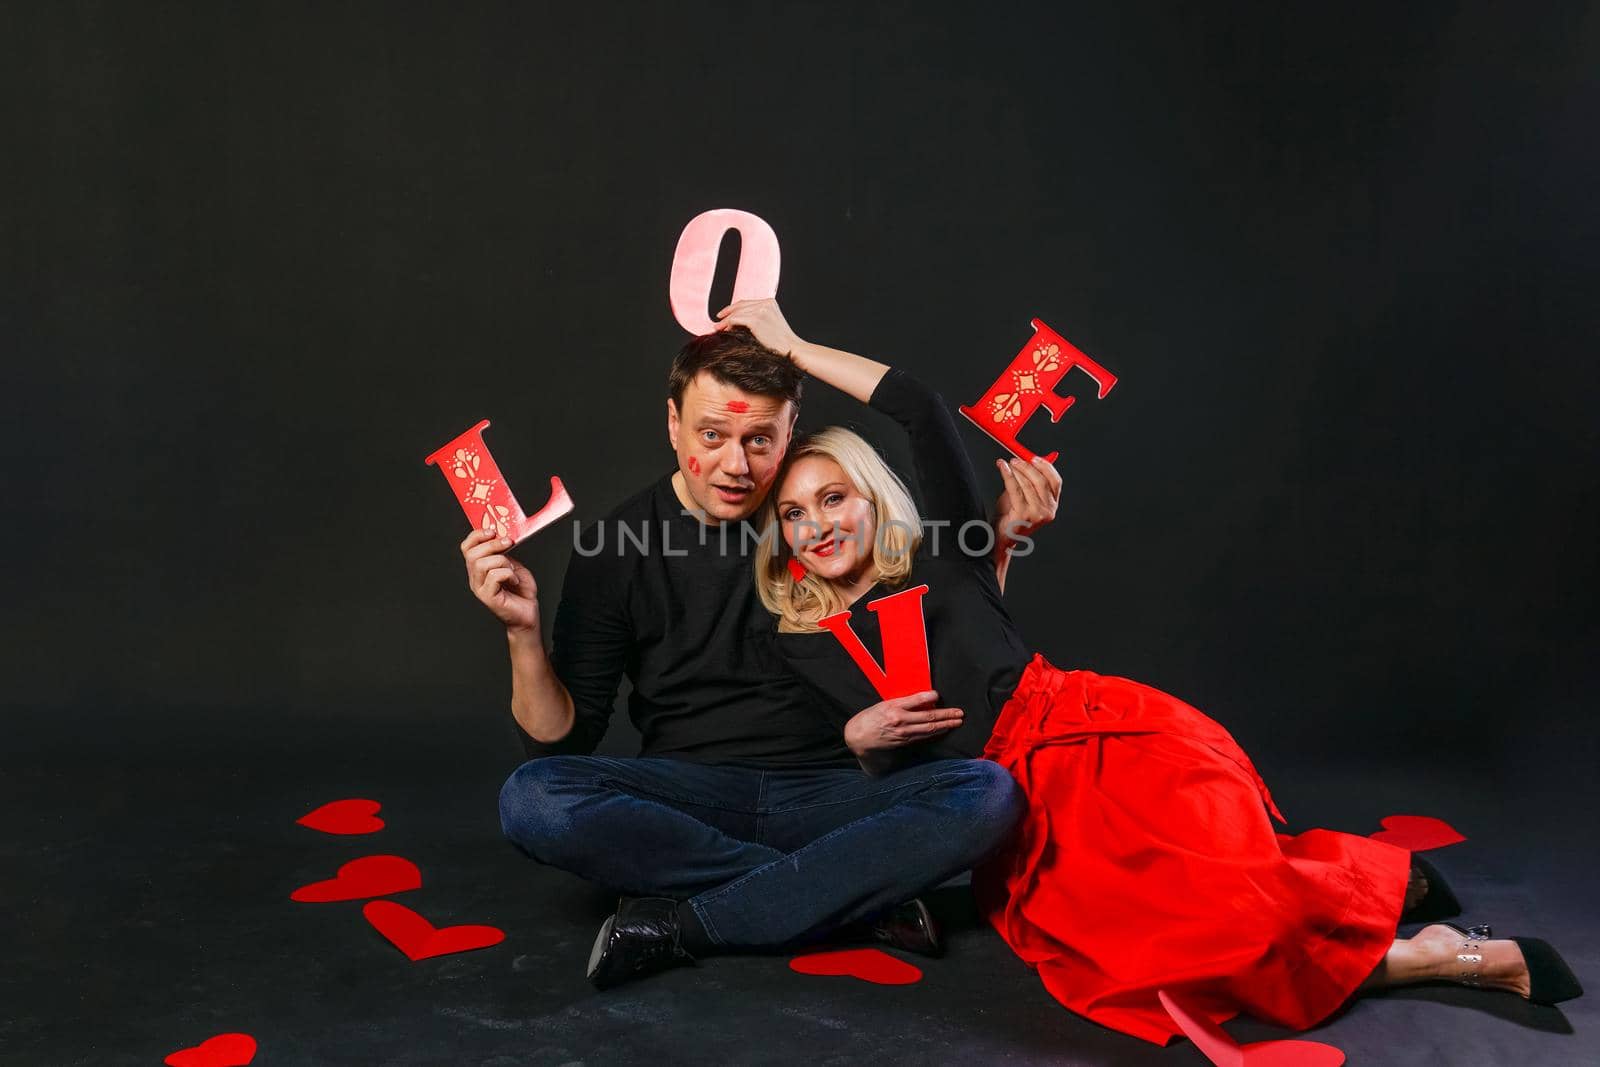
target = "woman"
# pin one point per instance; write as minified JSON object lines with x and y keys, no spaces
{"x":1147,"y":860}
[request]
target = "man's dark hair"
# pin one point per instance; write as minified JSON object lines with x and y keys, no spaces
{"x":734,"y":357}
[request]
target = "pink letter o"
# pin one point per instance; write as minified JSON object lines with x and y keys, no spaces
{"x":695,"y":263}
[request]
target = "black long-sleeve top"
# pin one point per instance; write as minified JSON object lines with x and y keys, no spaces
{"x":680,"y":617}
{"x":974,"y":651}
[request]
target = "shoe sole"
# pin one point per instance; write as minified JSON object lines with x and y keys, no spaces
{"x":599,"y":949}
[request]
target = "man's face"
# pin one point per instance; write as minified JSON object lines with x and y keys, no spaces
{"x":729,"y":445}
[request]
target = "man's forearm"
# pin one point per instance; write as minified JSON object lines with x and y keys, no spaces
{"x":539,"y":702}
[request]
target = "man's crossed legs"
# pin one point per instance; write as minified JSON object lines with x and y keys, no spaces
{"x":759,"y":858}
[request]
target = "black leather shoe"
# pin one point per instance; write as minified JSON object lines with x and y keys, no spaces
{"x":909,"y":926}
{"x":642,"y":937}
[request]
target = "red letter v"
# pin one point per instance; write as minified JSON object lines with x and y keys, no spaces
{"x":905,"y":643}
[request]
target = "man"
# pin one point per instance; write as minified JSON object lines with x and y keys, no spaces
{"x":745,"y":822}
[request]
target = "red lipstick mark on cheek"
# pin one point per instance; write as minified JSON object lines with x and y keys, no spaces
{"x":694,"y":464}
{"x":738,"y":405}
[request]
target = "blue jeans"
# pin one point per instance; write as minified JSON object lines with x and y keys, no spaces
{"x":766,"y":858}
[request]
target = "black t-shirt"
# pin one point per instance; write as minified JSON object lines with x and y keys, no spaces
{"x":974,"y":652}
{"x":671,"y":602}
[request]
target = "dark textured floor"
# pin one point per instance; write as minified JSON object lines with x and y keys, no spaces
{"x":147,"y":879}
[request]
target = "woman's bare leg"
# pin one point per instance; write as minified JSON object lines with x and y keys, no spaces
{"x":1435,"y":953}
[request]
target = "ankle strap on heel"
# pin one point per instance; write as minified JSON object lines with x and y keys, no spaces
{"x":1470,"y":955}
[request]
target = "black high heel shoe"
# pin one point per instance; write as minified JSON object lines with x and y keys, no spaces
{"x":1550,"y":980}
{"x":1438,"y":903}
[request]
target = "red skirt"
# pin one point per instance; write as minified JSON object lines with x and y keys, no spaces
{"x":1146,"y":861}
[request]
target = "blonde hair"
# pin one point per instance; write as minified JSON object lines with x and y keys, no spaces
{"x":897,"y":532}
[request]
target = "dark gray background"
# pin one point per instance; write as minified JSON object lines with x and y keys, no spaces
{"x":257,"y":262}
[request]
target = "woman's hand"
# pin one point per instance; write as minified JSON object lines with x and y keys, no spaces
{"x":766,"y":322}
{"x":897,"y":722}
{"x":505,"y":586}
{"x":1029,"y":501}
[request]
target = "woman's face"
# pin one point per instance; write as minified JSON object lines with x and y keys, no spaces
{"x":826,"y":521}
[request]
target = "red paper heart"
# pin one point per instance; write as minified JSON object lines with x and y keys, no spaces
{"x":1218,"y":1046}
{"x":355,"y":816}
{"x":867,"y":964}
{"x":1418,"y":833}
{"x":419,"y":939}
{"x":224,"y":1050}
{"x":797,"y":570}
{"x":369,"y":876}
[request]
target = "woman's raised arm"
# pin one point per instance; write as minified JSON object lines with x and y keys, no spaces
{"x":943,"y":470}
{"x":847,"y":372}
{"x":950,"y":493}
